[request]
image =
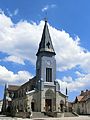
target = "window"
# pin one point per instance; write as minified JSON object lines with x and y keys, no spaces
{"x":32,"y":87}
{"x":48,"y":74}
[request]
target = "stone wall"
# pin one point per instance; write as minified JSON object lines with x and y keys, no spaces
{"x":59,"y":98}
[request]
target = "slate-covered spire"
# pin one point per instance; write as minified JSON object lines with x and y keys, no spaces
{"x":66,"y":91}
{"x":46,"y":43}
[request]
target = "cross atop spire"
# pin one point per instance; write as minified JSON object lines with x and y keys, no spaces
{"x":46,"y":43}
{"x":45,"y":19}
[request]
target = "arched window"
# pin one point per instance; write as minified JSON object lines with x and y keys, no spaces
{"x":33,"y":105}
{"x":48,"y":74}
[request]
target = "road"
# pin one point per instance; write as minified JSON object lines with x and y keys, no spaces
{"x":62,"y":118}
{"x":3,"y":117}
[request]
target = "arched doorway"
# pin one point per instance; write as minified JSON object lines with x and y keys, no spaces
{"x":48,"y":104}
{"x":33,"y":105}
{"x":62,"y":105}
{"x":49,"y":100}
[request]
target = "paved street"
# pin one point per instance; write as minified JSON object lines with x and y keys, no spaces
{"x":68,"y":118}
{"x":2,"y":117}
{"x":63,"y":118}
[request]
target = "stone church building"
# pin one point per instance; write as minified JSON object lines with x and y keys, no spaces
{"x":41,"y":93}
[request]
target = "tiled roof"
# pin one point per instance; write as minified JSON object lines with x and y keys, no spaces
{"x":87,"y":92}
{"x":79,"y":98}
{"x":83,"y":96}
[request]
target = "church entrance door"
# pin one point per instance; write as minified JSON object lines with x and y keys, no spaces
{"x":50,"y":101}
{"x":62,"y":105}
{"x":48,"y":104}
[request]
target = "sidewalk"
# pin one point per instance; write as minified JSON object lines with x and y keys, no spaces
{"x":65,"y":118}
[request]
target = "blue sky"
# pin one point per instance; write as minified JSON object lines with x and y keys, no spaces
{"x":21,"y":25}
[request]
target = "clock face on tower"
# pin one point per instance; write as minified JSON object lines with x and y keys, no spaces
{"x":48,"y":62}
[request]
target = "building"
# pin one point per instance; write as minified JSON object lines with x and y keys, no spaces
{"x":1,"y":102}
{"x":81,"y":105}
{"x":41,"y":93}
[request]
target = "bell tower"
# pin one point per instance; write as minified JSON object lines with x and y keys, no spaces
{"x":46,"y":69}
{"x":46,"y":63}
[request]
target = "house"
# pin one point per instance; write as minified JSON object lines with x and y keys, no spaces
{"x":1,"y":102}
{"x":81,"y":105}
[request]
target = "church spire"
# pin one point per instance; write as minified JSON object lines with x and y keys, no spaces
{"x":46,"y":43}
{"x":66,"y":91}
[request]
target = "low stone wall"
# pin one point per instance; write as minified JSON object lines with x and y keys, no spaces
{"x":22,"y":114}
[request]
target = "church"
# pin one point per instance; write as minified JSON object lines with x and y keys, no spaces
{"x":41,"y":93}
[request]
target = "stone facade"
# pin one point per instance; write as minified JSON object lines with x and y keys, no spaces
{"x":41,"y":93}
{"x":1,"y":102}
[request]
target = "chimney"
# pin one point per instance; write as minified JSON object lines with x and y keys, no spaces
{"x":86,"y":91}
{"x":82,"y":92}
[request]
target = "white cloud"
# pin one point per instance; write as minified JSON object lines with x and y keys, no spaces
{"x":20,"y":41}
{"x":78,"y":84}
{"x":45,"y":8}
{"x":14,"y":13}
{"x":79,"y":74}
{"x":5,"y":22}
{"x":69,"y":53}
{"x":14,"y":59}
{"x":7,"y":76}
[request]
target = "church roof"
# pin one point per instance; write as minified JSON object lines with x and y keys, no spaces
{"x":13,"y":87}
{"x":62,"y":94}
{"x":46,"y":43}
{"x":31,"y":82}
